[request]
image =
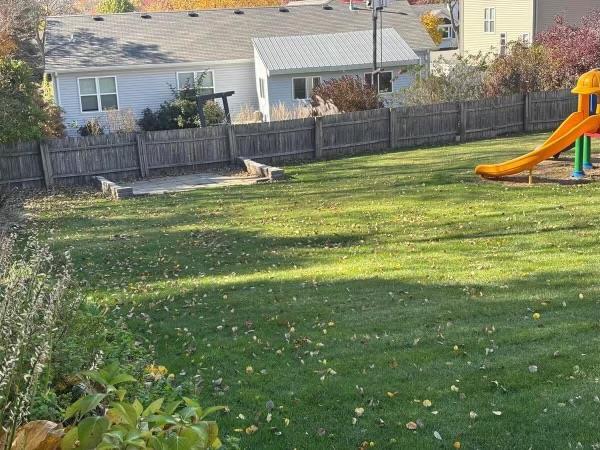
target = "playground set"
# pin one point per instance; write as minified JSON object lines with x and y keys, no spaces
{"x":579,"y":129}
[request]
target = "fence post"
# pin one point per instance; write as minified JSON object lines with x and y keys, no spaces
{"x":141,"y":148}
{"x":462,"y":126}
{"x":46,"y":164}
{"x":232,"y":143}
{"x":392,"y":119}
{"x":526,"y":112}
{"x":318,"y":137}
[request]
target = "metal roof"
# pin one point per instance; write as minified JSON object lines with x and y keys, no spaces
{"x":80,"y":42}
{"x":332,"y":52}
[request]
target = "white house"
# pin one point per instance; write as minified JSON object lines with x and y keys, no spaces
{"x":266,"y":55}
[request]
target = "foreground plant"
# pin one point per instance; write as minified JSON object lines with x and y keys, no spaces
{"x":162,"y":424}
{"x":34,"y":312}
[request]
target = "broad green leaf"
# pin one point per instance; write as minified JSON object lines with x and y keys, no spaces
{"x":91,"y":431}
{"x":155,"y":443}
{"x":189,"y":402}
{"x":161,"y":420}
{"x":211,"y":410}
{"x":139,"y":408}
{"x":95,"y":376}
{"x":122,"y":378}
{"x":187,"y":412}
{"x":84,"y":405}
{"x":69,"y":440}
{"x":153,"y":407}
{"x":171,"y":406}
{"x":125,"y":411}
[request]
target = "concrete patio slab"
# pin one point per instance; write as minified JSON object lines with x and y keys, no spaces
{"x":188,"y":183}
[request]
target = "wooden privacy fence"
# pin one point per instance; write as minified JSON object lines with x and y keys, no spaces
{"x":119,"y":156}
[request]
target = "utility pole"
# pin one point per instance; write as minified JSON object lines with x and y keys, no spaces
{"x":377,"y":6}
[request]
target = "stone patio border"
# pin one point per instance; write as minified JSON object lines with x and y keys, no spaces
{"x":262,"y":170}
{"x":115,"y":191}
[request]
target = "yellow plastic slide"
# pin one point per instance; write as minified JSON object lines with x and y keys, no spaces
{"x":571,"y":129}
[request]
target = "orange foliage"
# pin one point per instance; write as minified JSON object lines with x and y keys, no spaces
{"x":432,"y":25}
{"x":176,"y":5}
{"x":8,"y":46}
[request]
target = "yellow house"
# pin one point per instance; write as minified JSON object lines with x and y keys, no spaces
{"x":488,"y":25}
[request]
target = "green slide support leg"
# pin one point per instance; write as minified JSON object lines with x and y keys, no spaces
{"x":578,"y":169}
{"x":587,"y":153}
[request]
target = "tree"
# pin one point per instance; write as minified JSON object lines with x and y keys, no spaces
{"x":432,"y":24}
{"x":453,"y":9}
{"x":21,"y":114}
{"x":23,"y":25}
{"x":524,"y":69}
{"x":573,"y":49}
{"x":347,"y":93}
{"x":114,"y":6}
{"x":175,"y":5}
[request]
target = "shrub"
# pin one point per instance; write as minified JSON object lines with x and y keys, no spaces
{"x":121,"y":121}
{"x":456,"y":80}
{"x":213,"y":113}
{"x":158,"y":424}
{"x":91,"y":128}
{"x":347,"y":93}
{"x":181,"y":112}
{"x":54,"y":126}
{"x":283,"y":112}
{"x":524,"y":69}
{"x":248,"y":115}
{"x":21,"y":114}
{"x":35,"y":310}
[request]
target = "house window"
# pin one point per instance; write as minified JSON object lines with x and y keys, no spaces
{"x":384,"y":81}
{"x":303,"y":87}
{"x":526,"y":38}
{"x":489,"y":20}
{"x":98,"y":94}
{"x":261,"y":87}
{"x":447,"y":31}
{"x":503,"y":44}
{"x":205,"y":80}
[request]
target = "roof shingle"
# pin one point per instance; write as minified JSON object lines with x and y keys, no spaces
{"x":78,"y":42}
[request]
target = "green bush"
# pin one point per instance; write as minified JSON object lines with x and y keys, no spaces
{"x":21,"y":114}
{"x":181,"y":112}
{"x":115,"y":6}
{"x":106,"y":420}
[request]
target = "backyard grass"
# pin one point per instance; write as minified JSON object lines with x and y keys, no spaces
{"x":381,"y":282}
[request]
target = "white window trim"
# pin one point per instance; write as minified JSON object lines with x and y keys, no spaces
{"x":196,"y":72}
{"x":262,"y":88}
{"x":379,"y":91}
{"x":98,"y":95}
{"x":489,"y":19}
{"x":308,"y":86}
{"x":450,"y":29}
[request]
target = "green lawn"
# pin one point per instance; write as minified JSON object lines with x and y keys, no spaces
{"x":372,"y":282}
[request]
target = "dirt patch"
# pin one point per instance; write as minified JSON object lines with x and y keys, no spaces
{"x":551,"y":171}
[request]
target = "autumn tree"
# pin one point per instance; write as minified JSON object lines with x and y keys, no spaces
{"x":114,"y":6}
{"x":432,"y":24}
{"x":452,"y":5}
{"x":176,"y":5}
{"x":23,"y":26}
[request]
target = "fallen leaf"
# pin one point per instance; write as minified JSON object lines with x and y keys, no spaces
{"x":427,"y":403}
{"x":437,"y":435}
{"x":497,"y":413}
{"x":411,"y":425}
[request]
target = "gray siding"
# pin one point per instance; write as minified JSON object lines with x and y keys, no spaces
{"x":148,"y":88}
{"x":280,"y":86}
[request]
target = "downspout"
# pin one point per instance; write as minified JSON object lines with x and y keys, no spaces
{"x":535,"y":20}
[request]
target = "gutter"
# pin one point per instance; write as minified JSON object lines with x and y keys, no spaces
{"x":154,"y":66}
